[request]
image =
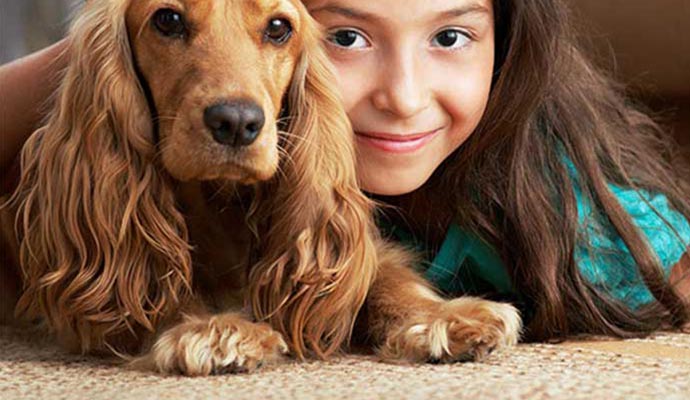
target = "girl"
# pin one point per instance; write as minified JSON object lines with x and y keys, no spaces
{"x":501,"y":154}
{"x":512,"y":164}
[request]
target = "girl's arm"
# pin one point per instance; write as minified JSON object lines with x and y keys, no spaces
{"x":680,"y":277}
{"x":25,"y":84}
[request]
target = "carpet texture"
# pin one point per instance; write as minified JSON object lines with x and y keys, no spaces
{"x":653,"y":368}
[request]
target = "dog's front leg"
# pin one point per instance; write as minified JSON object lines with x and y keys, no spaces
{"x":203,"y":344}
{"x":409,"y":321}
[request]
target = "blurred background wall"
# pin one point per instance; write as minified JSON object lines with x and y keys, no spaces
{"x":28,"y":25}
{"x":645,"y":42}
{"x":647,"y":45}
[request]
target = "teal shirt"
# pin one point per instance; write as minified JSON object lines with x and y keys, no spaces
{"x":466,"y":264}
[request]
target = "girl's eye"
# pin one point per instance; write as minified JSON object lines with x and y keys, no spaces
{"x":348,"y":39}
{"x":169,"y":23}
{"x":451,"y":39}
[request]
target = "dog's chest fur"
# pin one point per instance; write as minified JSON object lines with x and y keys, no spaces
{"x":221,"y":240}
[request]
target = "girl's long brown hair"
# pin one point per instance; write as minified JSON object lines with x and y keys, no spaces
{"x":548,"y":103}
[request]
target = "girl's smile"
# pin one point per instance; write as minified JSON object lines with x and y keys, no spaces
{"x":396,"y":143}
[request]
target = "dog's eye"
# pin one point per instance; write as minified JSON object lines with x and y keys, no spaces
{"x":169,"y":22}
{"x":278,"y":31}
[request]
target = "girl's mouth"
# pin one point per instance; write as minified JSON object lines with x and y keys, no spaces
{"x":396,"y":143}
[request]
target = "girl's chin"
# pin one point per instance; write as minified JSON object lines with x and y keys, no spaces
{"x":391,"y":186}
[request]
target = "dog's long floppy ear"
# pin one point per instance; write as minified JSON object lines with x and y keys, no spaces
{"x":320,"y":256}
{"x":103,"y":250}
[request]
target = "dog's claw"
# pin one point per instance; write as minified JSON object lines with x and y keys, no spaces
{"x":230,"y":369}
{"x":465,"y":357}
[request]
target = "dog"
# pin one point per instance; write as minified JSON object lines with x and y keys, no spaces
{"x":192,"y":201}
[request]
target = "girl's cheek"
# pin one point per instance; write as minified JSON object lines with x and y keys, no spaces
{"x":351,"y":78}
{"x":465,"y":86}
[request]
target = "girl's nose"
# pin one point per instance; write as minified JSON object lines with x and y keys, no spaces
{"x":402,"y":89}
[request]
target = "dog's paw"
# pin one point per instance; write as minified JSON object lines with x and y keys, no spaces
{"x":226,"y":343}
{"x":463,"y":329}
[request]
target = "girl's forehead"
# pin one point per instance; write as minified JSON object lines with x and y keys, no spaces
{"x":400,"y":10}
{"x":385,"y":5}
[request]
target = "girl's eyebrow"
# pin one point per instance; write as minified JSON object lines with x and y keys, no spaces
{"x":472,"y":8}
{"x":365,"y":16}
{"x":345,"y":11}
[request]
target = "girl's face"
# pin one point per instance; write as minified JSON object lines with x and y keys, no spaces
{"x":415,"y":77}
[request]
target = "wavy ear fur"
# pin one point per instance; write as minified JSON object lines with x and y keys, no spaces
{"x":103,"y":251}
{"x":320,"y":252}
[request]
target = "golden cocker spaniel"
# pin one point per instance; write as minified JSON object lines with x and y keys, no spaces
{"x":197,"y":159}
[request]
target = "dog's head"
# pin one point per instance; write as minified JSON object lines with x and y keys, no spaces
{"x":216,"y":73}
{"x":164,"y":90}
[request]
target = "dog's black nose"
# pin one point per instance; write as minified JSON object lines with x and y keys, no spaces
{"x":235,"y":123}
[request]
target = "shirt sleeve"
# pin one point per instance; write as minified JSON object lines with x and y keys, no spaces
{"x":605,"y":260}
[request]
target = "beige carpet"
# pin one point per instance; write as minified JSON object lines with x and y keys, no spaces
{"x":655,"y":368}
